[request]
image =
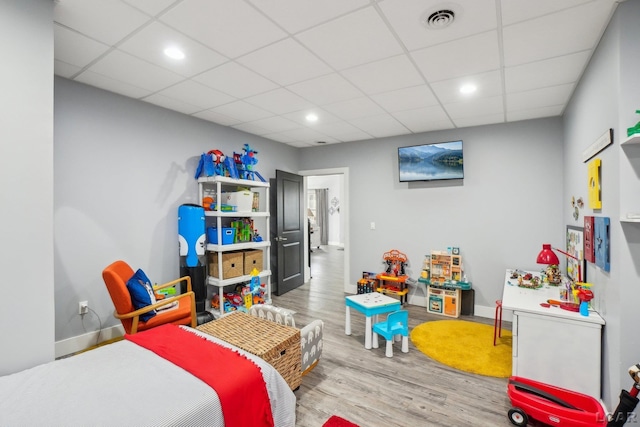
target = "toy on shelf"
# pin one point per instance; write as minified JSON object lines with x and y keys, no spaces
{"x":211,"y":164}
{"x":634,"y":130}
{"x":393,"y":280}
{"x":245,"y":163}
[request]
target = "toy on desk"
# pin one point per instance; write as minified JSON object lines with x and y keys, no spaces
{"x":585,"y":295}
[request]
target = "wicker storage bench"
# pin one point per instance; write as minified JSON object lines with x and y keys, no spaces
{"x":277,"y":344}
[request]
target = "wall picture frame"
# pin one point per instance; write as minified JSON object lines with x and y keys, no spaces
{"x":575,"y":247}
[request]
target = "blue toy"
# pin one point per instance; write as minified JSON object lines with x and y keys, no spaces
{"x":245,"y":163}
{"x":191,"y":233}
{"x":211,"y":163}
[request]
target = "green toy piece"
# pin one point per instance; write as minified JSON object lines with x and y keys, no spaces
{"x":634,"y":129}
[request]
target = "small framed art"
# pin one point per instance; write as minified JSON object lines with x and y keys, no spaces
{"x":575,"y":247}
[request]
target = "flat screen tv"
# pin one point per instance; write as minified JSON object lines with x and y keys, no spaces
{"x":429,"y":162}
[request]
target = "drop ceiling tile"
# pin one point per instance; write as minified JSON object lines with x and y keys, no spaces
{"x":306,"y":135}
{"x":279,"y":101}
{"x":302,"y":144}
{"x":242,"y":111}
{"x":196,"y":94}
{"x":252,"y":128}
{"x":74,"y":48}
{"x":297,"y":15}
{"x":355,"y":136}
{"x":354,"y":109}
{"x":65,"y":70}
{"x":150,"y":42}
{"x":287,"y":139}
{"x":104,"y":21}
{"x":535,"y":113}
{"x":351,"y":40}
{"x":384,"y":75}
{"x":545,"y":97}
{"x":171,"y":103}
{"x":339,"y":129}
{"x":300,"y":117}
{"x":215,"y":117}
{"x":131,"y":70}
{"x":275,"y":124}
{"x":479,"y":120}
{"x":549,"y":72}
{"x":285,"y":62}
{"x":470,"y":108}
{"x":424,"y":119}
{"x":327,"y":89}
{"x":406,"y":17}
{"x":380,"y":126}
{"x":232,"y":28}
{"x":516,"y":11}
{"x":525,"y":42}
{"x":488,"y":84}
{"x":406,"y":99}
{"x":235,"y":80}
{"x":106,"y":83}
{"x":471,"y":55}
{"x":151,"y":7}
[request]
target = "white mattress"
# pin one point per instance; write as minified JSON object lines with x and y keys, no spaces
{"x":123,"y":384}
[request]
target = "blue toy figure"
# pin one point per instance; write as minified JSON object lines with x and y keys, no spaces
{"x":245,"y":163}
{"x":191,"y":233}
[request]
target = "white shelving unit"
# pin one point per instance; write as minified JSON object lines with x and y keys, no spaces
{"x":631,"y":143}
{"x":261,"y":221}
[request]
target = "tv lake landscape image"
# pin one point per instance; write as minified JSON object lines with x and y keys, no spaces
{"x":431,"y":162}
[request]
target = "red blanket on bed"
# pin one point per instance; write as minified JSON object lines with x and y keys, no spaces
{"x":237,"y":380}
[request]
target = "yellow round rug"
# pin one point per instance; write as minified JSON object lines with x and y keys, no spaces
{"x":467,"y":346}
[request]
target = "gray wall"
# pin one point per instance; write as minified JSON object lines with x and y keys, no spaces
{"x":122,"y":169}
{"x":607,"y":97}
{"x":26,"y":184}
{"x":509,"y":203}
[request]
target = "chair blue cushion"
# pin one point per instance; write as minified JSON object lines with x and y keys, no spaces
{"x":142,"y":295}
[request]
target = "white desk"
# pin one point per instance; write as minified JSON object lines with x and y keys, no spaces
{"x":551,"y":344}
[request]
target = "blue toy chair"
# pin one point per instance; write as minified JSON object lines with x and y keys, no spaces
{"x":397,"y":324}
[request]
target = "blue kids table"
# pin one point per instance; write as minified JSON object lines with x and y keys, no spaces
{"x":370,"y":304}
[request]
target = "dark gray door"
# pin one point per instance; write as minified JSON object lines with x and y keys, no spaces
{"x":287,"y":232}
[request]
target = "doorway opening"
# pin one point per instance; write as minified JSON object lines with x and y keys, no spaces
{"x":332,"y":214}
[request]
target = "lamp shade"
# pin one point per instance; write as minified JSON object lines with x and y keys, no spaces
{"x":547,"y":256}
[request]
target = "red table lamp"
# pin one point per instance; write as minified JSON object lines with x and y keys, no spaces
{"x":547,"y":256}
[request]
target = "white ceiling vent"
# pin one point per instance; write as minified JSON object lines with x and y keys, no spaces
{"x":440,"y":16}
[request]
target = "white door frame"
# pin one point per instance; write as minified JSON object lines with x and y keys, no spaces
{"x":344,"y":210}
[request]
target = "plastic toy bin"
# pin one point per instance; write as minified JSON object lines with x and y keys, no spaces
{"x":228,"y":235}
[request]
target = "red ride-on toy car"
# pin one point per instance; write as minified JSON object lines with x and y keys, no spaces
{"x":552,"y":405}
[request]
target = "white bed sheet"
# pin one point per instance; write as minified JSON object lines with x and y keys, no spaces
{"x":123,"y":384}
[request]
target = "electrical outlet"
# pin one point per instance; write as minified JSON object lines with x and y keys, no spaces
{"x":83,"y":307}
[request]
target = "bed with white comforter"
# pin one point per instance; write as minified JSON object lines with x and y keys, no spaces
{"x":123,"y":384}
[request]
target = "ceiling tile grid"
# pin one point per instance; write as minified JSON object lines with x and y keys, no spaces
{"x":365,"y":68}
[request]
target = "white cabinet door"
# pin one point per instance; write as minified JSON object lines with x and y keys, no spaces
{"x":561,"y":352}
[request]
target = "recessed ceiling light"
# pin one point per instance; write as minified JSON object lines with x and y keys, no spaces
{"x":467,"y":89}
{"x":174,"y":53}
{"x":312,"y":117}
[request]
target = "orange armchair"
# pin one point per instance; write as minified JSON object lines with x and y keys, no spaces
{"x":117,"y":274}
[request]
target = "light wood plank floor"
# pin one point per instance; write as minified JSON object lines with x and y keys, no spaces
{"x":372,"y":390}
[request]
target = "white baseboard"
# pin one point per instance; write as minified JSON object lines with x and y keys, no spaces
{"x":82,"y":342}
